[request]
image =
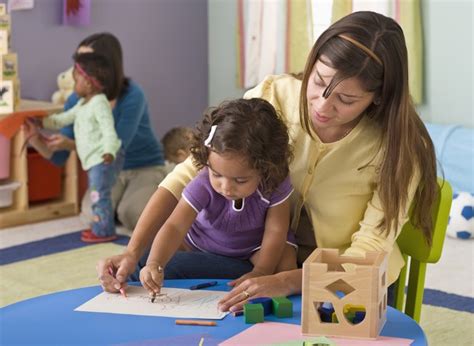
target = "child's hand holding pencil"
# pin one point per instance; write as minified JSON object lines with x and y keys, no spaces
{"x":151,"y":277}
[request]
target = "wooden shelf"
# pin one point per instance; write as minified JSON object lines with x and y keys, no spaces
{"x":26,"y":105}
{"x":21,"y":212}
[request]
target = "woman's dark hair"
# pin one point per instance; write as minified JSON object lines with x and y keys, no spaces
{"x":108,"y":46}
{"x":96,"y":66}
{"x":250,"y":128}
{"x":381,"y":65}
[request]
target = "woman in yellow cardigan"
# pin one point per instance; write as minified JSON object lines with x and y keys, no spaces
{"x":361,"y":156}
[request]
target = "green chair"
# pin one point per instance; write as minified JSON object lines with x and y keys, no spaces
{"x":417,"y":254}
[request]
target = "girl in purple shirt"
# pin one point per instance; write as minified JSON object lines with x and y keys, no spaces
{"x":238,"y":205}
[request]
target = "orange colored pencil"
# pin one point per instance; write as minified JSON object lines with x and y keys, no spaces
{"x":196,"y":323}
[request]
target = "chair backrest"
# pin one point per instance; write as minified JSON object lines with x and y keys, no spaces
{"x":418,"y":253}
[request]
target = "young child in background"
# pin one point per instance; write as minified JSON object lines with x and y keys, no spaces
{"x":97,"y":144}
{"x":238,"y":204}
{"x":177,"y":144}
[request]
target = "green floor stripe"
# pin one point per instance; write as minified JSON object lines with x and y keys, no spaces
{"x":445,"y":327}
{"x":52,"y":273}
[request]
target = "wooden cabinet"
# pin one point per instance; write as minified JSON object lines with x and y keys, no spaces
{"x":22,"y":211}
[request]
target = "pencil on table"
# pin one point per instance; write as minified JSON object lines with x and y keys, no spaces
{"x":196,"y":323}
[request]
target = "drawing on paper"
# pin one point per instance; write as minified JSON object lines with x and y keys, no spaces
{"x":172,"y":302}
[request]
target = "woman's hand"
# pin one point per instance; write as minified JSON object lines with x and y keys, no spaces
{"x":264,"y":286}
{"x":120,"y":266}
{"x":249,"y":275}
{"x":35,"y":138}
{"x":151,"y":277}
{"x":53,"y":142}
{"x":57,"y":142}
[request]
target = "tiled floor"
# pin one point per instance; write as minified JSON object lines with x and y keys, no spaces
{"x":454,"y":273}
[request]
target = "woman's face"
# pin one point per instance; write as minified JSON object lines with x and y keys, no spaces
{"x":345,"y":104}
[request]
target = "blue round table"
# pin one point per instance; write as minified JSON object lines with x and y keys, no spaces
{"x":51,"y":319}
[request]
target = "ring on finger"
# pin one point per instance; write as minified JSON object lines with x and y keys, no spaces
{"x":246,"y":294}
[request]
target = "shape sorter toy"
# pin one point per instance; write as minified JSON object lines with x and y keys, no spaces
{"x":344,"y":296}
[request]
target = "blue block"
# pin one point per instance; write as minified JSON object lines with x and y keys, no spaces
{"x":358,"y":317}
{"x":325,"y":314}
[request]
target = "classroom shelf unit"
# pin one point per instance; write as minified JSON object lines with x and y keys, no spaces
{"x":22,"y":211}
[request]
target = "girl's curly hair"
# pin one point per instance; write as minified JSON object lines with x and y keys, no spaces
{"x":248,"y":127}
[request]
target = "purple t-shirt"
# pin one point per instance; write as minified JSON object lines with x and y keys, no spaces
{"x":223,"y":229}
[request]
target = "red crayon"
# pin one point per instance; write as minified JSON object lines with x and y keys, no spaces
{"x":122,"y":290}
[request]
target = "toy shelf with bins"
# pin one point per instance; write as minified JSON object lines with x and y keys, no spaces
{"x":22,"y":211}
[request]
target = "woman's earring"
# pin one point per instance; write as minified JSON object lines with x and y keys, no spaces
{"x":377,"y":102}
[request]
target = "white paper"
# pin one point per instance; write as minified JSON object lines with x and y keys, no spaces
{"x":173,"y":302}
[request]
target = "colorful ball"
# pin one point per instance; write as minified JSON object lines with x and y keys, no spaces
{"x":461,"y":216}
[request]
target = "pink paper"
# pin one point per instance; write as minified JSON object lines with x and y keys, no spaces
{"x":275,"y":332}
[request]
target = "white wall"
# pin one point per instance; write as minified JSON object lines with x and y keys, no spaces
{"x":164,"y":44}
{"x":222,"y":28}
{"x":449,"y":75}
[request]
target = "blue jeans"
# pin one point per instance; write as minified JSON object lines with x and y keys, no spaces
{"x":102,"y":178}
{"x":199,"y":265}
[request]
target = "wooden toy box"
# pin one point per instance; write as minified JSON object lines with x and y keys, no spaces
{"x":21,"y":211}
{"x":363,"y":283}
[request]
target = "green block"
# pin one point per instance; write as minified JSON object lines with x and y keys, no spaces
{"x":253,"y":313}
{"x":319,"y":341}
{"x":282,"y":307}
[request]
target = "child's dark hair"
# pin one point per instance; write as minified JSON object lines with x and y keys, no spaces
{"x":96,"y":66}
{"x":250,"y":128}
{"x":175,"y":139}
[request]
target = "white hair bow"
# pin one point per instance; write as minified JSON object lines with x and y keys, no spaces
{"x":208,"y":140}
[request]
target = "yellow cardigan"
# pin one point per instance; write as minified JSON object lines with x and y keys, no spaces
{"x":335,"y":182}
